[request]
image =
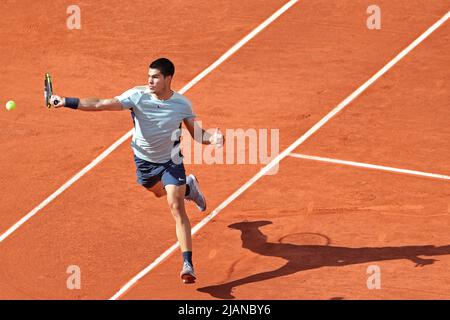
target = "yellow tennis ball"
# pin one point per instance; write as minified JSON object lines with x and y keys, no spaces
{"x":10,"y":105}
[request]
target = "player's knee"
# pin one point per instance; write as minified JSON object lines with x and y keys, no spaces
{"x":157,"y":193}
{"x":177,"y":210}
{"x":175,"y":207}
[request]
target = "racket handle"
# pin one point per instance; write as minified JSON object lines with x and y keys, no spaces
{"x":48,"y":89}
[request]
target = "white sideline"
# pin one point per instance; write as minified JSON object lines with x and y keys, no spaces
{"x":114,"y":146}
{"x":370,"y":166}
{"x":286,"y":152}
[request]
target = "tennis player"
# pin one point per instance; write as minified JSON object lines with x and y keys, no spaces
{"x":158,"y":113}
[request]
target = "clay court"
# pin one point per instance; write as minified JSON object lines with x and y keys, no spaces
{"x":363,"y":178}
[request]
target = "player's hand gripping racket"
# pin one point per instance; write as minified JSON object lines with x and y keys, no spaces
{"x":48,"y":92}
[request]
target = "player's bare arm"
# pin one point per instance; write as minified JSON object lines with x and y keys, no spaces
{"x":89,"y":104}
{"x":205,"y":137}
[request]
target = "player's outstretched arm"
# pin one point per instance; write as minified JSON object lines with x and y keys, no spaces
{"x":87,"y":104}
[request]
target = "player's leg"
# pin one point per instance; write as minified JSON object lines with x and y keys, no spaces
{"x":174,"y":180}
{"x":175,"y":199}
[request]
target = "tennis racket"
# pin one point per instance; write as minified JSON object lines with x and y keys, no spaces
{"x":48,"y":90}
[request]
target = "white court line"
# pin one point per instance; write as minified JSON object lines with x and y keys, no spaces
{"x":370,"y":166}
{"x":116,"y":144}
{"x":64,"y":187}
{"x":285,"y":153}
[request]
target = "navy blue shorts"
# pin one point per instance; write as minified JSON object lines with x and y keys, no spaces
{"x":149,"y":173}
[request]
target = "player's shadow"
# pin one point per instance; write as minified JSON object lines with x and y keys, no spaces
{"x":307,"y":257}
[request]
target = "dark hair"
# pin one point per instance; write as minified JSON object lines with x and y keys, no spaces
{"x":165,"y":66}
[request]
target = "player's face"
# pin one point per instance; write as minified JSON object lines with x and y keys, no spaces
{"x":157,"y":83}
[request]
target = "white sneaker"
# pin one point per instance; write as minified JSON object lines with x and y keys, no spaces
{"x":195,"y":194}
{"x":187,"y":273}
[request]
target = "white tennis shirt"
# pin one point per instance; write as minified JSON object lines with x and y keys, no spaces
{"x":157,"y":123}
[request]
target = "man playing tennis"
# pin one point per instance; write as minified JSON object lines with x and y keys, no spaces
{"x":158,"y":113}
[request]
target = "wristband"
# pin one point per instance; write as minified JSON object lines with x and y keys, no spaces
{"x":72,"y":103}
